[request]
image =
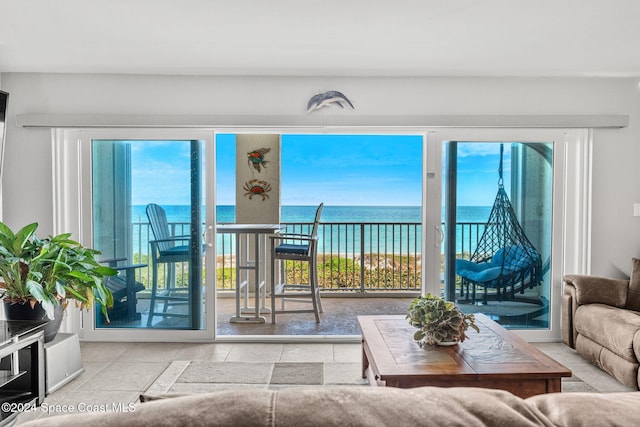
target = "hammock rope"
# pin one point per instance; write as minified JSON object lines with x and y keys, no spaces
{"x":504,"y":257}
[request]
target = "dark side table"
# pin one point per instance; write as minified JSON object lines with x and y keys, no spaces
{"x":22,"y":381}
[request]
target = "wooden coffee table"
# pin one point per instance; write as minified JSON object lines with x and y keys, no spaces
{"x":494,"y":358}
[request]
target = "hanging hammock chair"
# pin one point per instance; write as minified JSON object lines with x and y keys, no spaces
{"x":504,"y":258}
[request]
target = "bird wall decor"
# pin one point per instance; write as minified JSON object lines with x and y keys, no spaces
{"x":327,"y":98}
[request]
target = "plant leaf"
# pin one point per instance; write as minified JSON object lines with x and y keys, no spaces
{"x":60,"y":289}
{"x":22,"y":237}
{"x":37,"y":291}
{"x":49,"y":309}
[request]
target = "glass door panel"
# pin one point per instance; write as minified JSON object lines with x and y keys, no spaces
{"x":497,"y":217}
{"x":148,"y":215}
{"x":370,"y":233}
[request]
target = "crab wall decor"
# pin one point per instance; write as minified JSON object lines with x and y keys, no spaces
{"x":256,"y":159}
{"x":255,"y":187}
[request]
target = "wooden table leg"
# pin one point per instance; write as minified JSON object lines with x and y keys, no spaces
{"x":554,"y":385}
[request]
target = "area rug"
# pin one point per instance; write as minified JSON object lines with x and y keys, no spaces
{"x":297,"y":373}
{"x":226,"y":372}
{"x":207,"y":376}
{"x":573,"y":384}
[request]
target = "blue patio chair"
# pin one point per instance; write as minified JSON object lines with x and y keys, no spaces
{"x":296,"y":247}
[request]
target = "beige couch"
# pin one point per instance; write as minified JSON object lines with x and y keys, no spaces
{"x":601,"y":320}
{"x":368,"y":406}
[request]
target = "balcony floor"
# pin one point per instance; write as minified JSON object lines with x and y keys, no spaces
{"x":339,"y":316}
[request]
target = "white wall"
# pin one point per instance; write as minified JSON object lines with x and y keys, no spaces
{"x":616,"y":178}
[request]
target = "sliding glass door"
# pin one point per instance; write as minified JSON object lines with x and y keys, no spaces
{"x":488,"y":196}
{"x":146,"y":198}
{"x":369,"y":239}
{"x":500,"y":214}
{"x":147,"y":222}
{"x":498,"y":234}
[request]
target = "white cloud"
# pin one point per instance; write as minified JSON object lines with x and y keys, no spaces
{"x":468,"y":149}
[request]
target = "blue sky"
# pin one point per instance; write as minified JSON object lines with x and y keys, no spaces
{"x":478,"y":172}
{"x":160,"y":172}
{"x":344,"y":169}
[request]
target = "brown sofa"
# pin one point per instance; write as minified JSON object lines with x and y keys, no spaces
{"x":346,"y":406}
{"x":601,"y":320}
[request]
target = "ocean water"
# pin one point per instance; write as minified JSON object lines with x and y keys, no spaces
{"x":227,"y":213}
{"x":341,"y":238}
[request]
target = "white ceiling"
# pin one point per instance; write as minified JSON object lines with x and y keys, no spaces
{"x":323,"y":37}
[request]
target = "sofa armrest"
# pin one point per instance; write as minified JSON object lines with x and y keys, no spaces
{"x":598,"y":290}
{"x":581,"y":289}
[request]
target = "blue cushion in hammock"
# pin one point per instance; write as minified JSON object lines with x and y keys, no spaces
{"x":480,"y":272}
{"x":517,"y":258}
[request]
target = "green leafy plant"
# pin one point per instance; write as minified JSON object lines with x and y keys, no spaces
{"x":51,"y":271}
{"x":439,"y":320}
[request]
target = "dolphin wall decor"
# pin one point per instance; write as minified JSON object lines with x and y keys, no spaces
{"x":327,"y":98}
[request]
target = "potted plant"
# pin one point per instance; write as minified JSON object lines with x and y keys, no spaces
{"x":39,"y":276}
{"x":439,"y":322}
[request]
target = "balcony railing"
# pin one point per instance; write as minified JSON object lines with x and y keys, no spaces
{"x":352,"y":257}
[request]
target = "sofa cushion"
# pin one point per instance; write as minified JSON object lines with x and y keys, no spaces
{"x":623,"y":370}
{"x":617,"y":333}
{"x":633,"y":298}
{"x":322,"y":406}
{"x":577,"y":409}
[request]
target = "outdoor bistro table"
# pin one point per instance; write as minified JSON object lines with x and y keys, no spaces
{"x":253,"y":237}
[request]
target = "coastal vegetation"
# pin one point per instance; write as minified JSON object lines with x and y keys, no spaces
{"x":340,"y":273}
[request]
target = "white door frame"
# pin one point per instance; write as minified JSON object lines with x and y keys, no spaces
{"x":73,"y":212}
{"x":571,"y":204}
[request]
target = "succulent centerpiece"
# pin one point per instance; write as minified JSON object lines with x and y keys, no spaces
{"x":439,"y":322}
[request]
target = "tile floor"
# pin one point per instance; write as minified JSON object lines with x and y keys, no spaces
{"x":116,"y":373}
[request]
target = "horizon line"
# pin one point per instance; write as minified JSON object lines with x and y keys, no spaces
{"x":350,"y":206}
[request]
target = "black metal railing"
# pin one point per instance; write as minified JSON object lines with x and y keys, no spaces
{"x":363,"y":257}
{"x":353,"y":257}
